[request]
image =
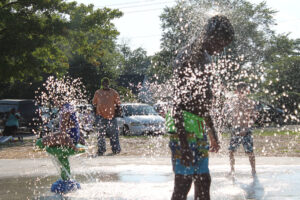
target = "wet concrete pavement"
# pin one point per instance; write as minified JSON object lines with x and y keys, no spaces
{"x":139,"y":178}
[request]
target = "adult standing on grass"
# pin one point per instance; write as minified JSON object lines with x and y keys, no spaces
{"x":107,"y":101}
{"x":193,"y":99}
{"x":243,"y":116}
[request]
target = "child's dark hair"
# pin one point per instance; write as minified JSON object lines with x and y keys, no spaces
{"x":241,"y":87}
{"x":219,"y":27}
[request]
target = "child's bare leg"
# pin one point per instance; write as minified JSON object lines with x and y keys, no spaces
{"x":252,"y":162}
{"x":182,"y":186}
{"x":202,"y":186}
{"x":232,"y":161}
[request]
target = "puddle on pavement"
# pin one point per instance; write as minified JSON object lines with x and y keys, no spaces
{"x":135,"y":183}
{"x":36,"y":187}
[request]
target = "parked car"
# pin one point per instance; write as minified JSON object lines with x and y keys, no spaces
{"x":26,"y":108}
{"x":140,"y":119}
{"x":269,"y":114}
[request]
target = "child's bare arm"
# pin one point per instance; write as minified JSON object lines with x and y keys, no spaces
{"x":186,"y":154}
{"x":214,"y":141}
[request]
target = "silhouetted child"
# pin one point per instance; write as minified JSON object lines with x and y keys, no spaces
{"x":192,"y":104}
{"x":242,"y":115}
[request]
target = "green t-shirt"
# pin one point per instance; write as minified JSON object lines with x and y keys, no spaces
{"x":192,"y":124}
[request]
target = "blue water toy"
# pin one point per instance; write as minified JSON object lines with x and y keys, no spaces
{"x":62,"y":154}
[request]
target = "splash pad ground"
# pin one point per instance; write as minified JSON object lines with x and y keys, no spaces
{"x":124,"y":177}
{"x":143,"y":171}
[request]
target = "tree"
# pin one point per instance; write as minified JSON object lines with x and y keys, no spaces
{"x":282,"y":74}
{"x":160,"y":69}
{"x":134,"y":61}
{"x":251,"y":23}
{"x":92,"y":49}
{"x":28,"y":31}
{"x":42,"y":38}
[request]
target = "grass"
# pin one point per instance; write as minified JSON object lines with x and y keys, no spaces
{"x":15,"y":144}
{"x":135,"y":136}
{"x":145,"y":136}
{"x":269,"y":133}
{"x":275,"y":133}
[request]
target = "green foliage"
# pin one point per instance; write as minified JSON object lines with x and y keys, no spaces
{"x":42,"y":38}
{"x":92,"y":48}
{"x":134,"y":62}
{"x":27,"y":38}
{"x":251,"y":23}
{"x":92,"y":33}
{"x":126,"y":94}
{"x":160,"y":69}
{"x":282,"y":74}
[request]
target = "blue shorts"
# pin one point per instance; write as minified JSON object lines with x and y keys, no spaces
{"x":200,"y":167}
{"x":236,"y":140}
{"x":200,"y":161}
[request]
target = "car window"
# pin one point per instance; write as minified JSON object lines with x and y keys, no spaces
{"x":7,"y":107}
{"x":131,"y":110}
{"x":48,"y":111}
{"x":27,"y":109}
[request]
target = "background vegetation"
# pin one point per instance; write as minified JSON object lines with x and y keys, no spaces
{"x":54,"y":37}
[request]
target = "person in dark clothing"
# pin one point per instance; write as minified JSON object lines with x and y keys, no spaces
{"x":191,"y":112}
{"x":107,"y":100}
{"x":243,"y":116}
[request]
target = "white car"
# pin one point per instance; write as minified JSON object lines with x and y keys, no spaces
{"x":140,"y":119}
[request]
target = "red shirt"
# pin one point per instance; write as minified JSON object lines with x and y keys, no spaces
{"x":106,"y":102}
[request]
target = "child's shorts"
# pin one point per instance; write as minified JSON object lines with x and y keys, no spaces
{"x":199,"y":164}
{"x":200,"y":167}
{"x":246,"y":140}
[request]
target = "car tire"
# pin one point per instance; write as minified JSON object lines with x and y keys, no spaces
{"x":126,"y":130}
